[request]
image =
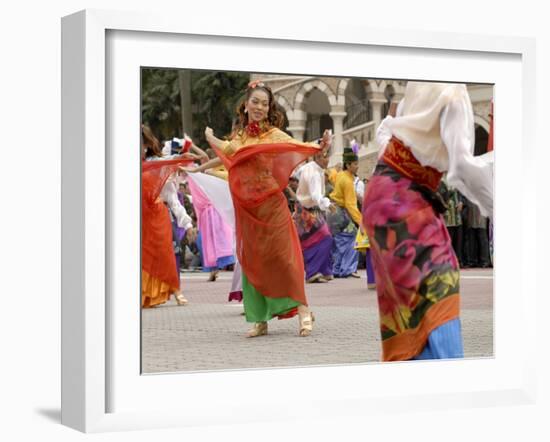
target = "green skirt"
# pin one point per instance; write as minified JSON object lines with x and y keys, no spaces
{"x":260,"y":308}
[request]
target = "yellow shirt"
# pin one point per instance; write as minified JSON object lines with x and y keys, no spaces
{"x":332,"y":173}
{"x":273,"y":135}
{"x":344,"y":195}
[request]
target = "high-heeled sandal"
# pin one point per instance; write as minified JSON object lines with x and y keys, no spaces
{"x":306,"y":324}
{"x":180,"y":299}
{"x":259,"y":329}
{"x":213,"y":275}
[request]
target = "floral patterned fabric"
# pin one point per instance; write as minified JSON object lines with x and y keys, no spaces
{"x":315,"y":239}
{"x":341,"y":222}
{"x":416,"y":270}
{"x":308,"y":222}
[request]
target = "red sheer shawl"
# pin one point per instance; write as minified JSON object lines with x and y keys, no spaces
{"x":268,"y":246}
{"x":157,"y":253}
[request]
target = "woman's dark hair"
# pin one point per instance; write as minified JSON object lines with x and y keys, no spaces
{"x":151,"y":143}
{"x":275,"y":117}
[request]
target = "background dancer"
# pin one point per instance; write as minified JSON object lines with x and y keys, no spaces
{"x":346,"y":219}
{"x":309,"y":217}
{"x":218,"y":193}
{"x":215,"y":239}
{"x":159,"y":274}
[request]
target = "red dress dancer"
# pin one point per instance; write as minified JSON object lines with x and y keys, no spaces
{"x":159,"y":275}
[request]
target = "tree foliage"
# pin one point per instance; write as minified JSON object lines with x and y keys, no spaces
{"x":160,"y":102}
{"x":214,"y":98}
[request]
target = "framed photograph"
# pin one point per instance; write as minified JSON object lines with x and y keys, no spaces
{"x":112,"y":378}
{"x":340,"y":281}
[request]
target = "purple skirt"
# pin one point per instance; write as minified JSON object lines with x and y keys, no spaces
{"x":315,"y":240}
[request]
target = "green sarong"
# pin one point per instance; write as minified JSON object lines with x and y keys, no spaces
{"x":260,"y":308}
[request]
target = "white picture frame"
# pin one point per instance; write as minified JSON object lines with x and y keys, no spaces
{"x":89,"y":364}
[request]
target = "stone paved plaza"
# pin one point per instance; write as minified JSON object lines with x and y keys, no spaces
{"x":209,"y":333}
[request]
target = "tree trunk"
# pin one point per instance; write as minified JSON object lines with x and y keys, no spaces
{"x":184,"y":77}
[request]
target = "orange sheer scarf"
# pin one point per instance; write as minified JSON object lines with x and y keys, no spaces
{"x":268,"y":247}
{"x":157,"y":253}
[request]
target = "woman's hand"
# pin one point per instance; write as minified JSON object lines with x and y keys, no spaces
{"x":211,"y":138}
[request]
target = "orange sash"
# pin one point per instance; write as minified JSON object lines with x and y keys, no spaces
{"x":403,"y":161}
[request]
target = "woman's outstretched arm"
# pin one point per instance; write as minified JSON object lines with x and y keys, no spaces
{"x":214,"y":162}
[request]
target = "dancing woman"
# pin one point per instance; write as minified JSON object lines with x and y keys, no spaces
{"x":260,"y":158}
{"x":309,"y":217}
{"x":417,"y":272}
{"x":159,"y":273}
{"x":216,"y":189}
{"x":215,"y":239}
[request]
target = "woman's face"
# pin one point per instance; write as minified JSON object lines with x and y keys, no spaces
{"x":257,"y":106}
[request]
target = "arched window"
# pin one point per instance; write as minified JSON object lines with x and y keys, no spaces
{"x":281,"y":109}
{"x":389,"y":93}
{"x":482,"y":138}
{"x":317,"y":108}
{"x":357,"y":104}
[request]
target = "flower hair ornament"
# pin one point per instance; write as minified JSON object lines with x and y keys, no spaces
{"x":256,"y":83}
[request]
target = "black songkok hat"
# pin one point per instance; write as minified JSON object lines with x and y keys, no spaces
{"x":349,"y":155}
